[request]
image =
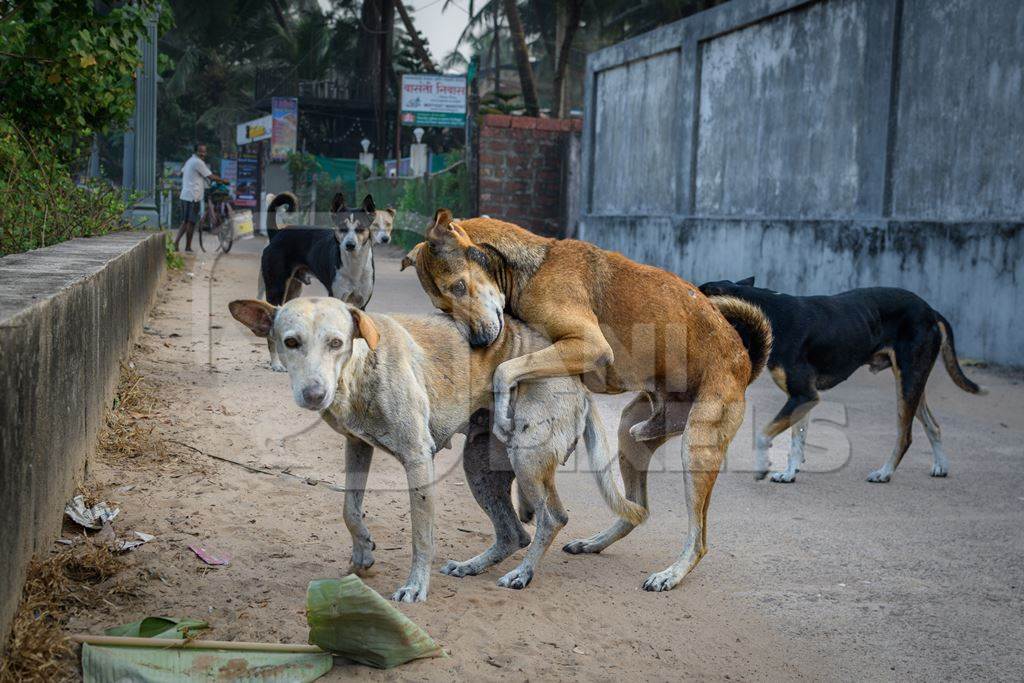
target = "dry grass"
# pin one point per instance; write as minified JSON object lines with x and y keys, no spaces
{"x":80,"y":577}
{"x":55,"y":589}
{"x":123,"y":438}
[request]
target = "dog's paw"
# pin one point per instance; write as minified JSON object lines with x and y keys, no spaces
{"x":581,"y":546}
{"x":785,"y":477}
{"x":460,"y":569}
{"x":760,"y":474}
{"x":277,"y":366}
{"x":880,"y":476}
{"x":939,"y":470}
{"x":410,"y":593}
{"x":661,"y":581}
{"x":517,"y":579}
{"x":362,"y":559}
{"x":502,"y":428}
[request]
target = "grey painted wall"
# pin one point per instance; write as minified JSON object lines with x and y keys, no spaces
{"x":68,"y":315}
{"x":822,"y":145}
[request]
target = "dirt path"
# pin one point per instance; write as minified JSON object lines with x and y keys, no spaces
{"x":830,"y":577}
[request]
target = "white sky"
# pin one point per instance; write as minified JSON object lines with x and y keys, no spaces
{"x":441,"y":29}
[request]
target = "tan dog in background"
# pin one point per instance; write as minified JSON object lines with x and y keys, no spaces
{"x":623,"y":326}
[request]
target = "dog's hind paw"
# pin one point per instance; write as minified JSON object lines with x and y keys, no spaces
{"x":517,"y":579}
{"x":880,"y":476}
{"x":410,"y":593}
{"x":460,"y":569}
{"x":581,"y":546}
{"x":785,"y":477}
{"x":939,"y":471}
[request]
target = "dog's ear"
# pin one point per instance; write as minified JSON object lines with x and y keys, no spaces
{"x":338,"y":203}
{"x":391,"y":211}
{"x":258,"y":316}
{"x":365,"y":328}
{"x":747,"y":282}
{"x":368,"y":205}
{"x":410,"y":258}
{"x":438,"y":229}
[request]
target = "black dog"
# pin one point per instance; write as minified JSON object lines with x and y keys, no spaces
{"x":340,"y":256}
{"x":295,"y":252}
{"x":819,"y":341}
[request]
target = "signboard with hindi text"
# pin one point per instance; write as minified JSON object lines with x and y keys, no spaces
{"x":433,"y":100}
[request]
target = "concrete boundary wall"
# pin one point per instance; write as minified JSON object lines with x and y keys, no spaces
{"x":68,"y":316}
{"x":821,"y":145}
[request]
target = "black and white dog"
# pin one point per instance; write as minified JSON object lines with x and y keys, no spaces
{"x":819,"y":341}
{"x":339,"y":256}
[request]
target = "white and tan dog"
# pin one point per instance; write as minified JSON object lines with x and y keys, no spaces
{"x":406,"y":385}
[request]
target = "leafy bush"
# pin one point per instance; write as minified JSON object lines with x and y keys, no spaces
{"x":66,"y":72}
{"x":67,"y":68}
{"x":41,"y":205}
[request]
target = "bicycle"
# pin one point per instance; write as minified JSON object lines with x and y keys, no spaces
{"x":218,"y":217}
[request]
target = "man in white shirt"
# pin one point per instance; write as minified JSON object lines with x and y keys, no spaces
{"x":194,"y":175}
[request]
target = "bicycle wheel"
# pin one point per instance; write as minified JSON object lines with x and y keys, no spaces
{"x":227,"y":236}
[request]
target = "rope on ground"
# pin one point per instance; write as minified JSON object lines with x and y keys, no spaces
{"x":261,"y":470}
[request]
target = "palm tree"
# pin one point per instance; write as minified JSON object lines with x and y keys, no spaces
{"x":526,"y":80}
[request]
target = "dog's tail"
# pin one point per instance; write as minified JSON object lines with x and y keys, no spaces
{"x":601,"y":463}
{"x":753,"y":326}
{"x":949,"y":358}
{"x":285,"y":199}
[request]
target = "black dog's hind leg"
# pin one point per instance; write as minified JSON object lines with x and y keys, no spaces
{"x":490,"y":476}
{"x":940,"y":464}
{"x":912,"y":362}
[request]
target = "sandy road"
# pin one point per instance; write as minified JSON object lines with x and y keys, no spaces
{"x":830,"y":577}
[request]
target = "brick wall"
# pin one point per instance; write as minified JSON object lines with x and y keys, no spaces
{"x":521,"y":174}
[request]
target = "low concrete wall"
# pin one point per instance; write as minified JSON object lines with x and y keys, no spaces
{"x":971,"y":273}
{"x":68,"y":315}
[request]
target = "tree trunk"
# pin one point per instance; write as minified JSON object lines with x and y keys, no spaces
{"x":417,"y":45}
{"x":496,"y":50}
{"x":526,"y":80}
{"x":574,"y":10}
{"x":279,"y":14}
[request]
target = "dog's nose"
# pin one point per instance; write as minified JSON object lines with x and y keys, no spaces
{"x":479,"y":339}
{"x":349,"y":246}
{"x":314,"y":395}
{"x":385,"y":239}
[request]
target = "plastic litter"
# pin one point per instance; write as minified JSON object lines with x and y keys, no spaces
{"x":126,"y":544}
{"x":208,"y":557}
{"x":90,"y":517}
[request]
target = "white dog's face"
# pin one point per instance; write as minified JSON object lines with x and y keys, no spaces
{"x":383,"y":224}
{"x":314,"y":339}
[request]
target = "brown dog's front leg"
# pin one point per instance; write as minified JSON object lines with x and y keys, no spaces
{"x":568,"y":356}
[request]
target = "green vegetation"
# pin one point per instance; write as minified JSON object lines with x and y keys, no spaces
{"x":66,"y":73}
{"x":41,"y":205}
{"x":174,"y":259}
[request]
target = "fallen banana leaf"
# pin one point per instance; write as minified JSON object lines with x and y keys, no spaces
{"x":350,"y":619}
{"x":106,"y":659}
{"x":158,"y":627}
